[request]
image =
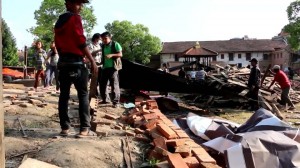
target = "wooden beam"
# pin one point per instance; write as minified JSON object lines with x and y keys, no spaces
{"x":2,"y":149}
{"x":216,"y":79}
{"x":265,"y":75}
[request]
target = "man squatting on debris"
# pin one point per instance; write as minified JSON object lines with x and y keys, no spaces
{"x":281,"y":78}
{"x":253,"y":85}
{"x":72,"y":48}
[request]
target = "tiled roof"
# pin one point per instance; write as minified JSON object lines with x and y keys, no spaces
{"x":194,"y":51}
{"x":226,"y":46}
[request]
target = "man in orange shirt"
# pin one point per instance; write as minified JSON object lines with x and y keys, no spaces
{"x":285,"y":84}
{"x":72,"y":49}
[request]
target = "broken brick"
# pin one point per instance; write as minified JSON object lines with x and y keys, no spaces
{"x":208,"y":165}
{"x":166,"y":131}
{"x":150,"y":124}
{"x":192,"y":162}
{"x":152,"y":104}
{"x":141,"y":137}
{"x":118,"y":127}
{"x":129,"y":133}
{"x":184,"y":151}
{"x":102,"y":133}
{"x":111,"y":117}
{"x":150,"y":116}
{"x":175,"y":142}
{"x":160,"y":142}
{"x":176,"y":161}
{"x":202,"y":155}
{"x":139,"y":131}
{"x":161,"y":151}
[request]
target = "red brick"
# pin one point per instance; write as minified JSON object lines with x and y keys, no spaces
{"x":202,"y":155}
{"x":150,"y":116}
{"x":155,"y":111}
{"x":160,"y":142}
{"x":176,"y":161}
{"x":154,"y":133}
{"x":181,"y":134}
{"x":175,"y":142}
{"x":166,"y":131}
{"x":192,"y":162}
{"x":145,"y":111}
{"x":150,"y":124}
{"x":152,"y":104}
{"x":184,"y":151}
{"x":111,"y":117}
{"x":161,"y":151}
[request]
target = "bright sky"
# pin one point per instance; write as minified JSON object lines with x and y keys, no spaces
{"x":171,"y":20}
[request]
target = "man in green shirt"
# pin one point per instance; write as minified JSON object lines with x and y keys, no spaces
{"x":111,"y":60}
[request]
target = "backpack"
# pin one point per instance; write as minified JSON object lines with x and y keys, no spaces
{"x":117,"y":61}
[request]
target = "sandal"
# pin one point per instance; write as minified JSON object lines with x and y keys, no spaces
{"x":86,"y":134}
{"x":64,"y":133}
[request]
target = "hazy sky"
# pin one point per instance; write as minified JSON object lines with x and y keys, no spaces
{"x":171,"y":20}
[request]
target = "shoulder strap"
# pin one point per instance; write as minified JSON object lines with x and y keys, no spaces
{"x":113,"y":47}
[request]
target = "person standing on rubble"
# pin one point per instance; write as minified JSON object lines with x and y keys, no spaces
{"x":52,"y":59}
{"x":111,"y":60}
{"x":72,"y":49}
{"x":281,"y":78}
{"x":95,"y":49}
{"x":39,"y":59}
{"x":253,"y":85}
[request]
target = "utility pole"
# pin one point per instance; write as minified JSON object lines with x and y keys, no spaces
{"x":2,"y":150}
{"x":25,"y":62}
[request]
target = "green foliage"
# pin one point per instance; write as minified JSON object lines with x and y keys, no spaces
{"x":152,"y":162}
{"x":9,"y":50}
{"x":293,"y":28}
{"x":47,"y":15}
{"x":137,"y":43}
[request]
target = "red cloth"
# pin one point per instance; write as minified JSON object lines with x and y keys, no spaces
{"x":282,"y":79}
{"x":69,"y":36}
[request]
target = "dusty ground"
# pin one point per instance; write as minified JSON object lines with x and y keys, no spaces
{"x":41,"y":125}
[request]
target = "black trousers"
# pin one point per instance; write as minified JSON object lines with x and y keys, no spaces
{"x":111,"y":75}
{"x":77,"y":75}
{"x":253,"y":95}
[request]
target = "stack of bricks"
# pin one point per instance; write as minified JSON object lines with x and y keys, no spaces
{"x":171,"y":145}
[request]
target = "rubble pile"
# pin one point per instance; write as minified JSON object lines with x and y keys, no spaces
{"x":171,"y":146}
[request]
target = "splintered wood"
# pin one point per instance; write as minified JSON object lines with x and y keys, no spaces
{"x":171,"y":145}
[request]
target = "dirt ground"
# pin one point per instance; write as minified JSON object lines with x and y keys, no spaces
{"x":41,"y":124}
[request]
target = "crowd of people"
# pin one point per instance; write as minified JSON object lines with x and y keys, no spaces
{"x":71,"y":60}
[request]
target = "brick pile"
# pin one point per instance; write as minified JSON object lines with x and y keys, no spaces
{"x":171,"y":145}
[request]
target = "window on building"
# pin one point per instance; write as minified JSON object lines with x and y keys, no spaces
{"x":266,"y":56}
{"x":176,"y":57}
{"x":214,"y":58}
{"x":280,"y":55}
{"x":239,"y":56}
{"x":231,"y":57}
{"x":240,"y":65}
{"x":277,"y":55}
{"x":222,"y":56}
{"x":248,"y":56}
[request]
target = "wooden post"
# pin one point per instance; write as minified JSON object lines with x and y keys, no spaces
{"x":2,"y":150}
{"x":25,"y":61}
{"x":265,"y":75}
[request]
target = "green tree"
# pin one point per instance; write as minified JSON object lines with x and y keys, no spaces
{"x":137,"y":43}
{"x":47,"y":15}
{"x":9,"y":50}
{"x":293,"y":28}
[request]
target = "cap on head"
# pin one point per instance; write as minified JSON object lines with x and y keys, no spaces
{"x":276,"y":67}
{"x":80,"y":1}
{"x":253,"y":60}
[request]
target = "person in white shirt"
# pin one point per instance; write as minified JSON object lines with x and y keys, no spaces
{"x":201,"y":75}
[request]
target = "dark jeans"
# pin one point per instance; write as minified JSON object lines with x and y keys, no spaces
{"x":111,"y":75}
{"x":253,"y":95}
{"x":50,"y":71}
{"x":285,"y":97}
{"x":77,"y":75}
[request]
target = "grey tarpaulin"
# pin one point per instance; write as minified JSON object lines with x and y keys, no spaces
{"x":264,"y":141}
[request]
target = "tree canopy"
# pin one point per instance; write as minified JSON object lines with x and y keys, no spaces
{"x":293,"y":28}
{"x":137,"y":43}
{"x":9,"y":50}
{"x":47,"y":15}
